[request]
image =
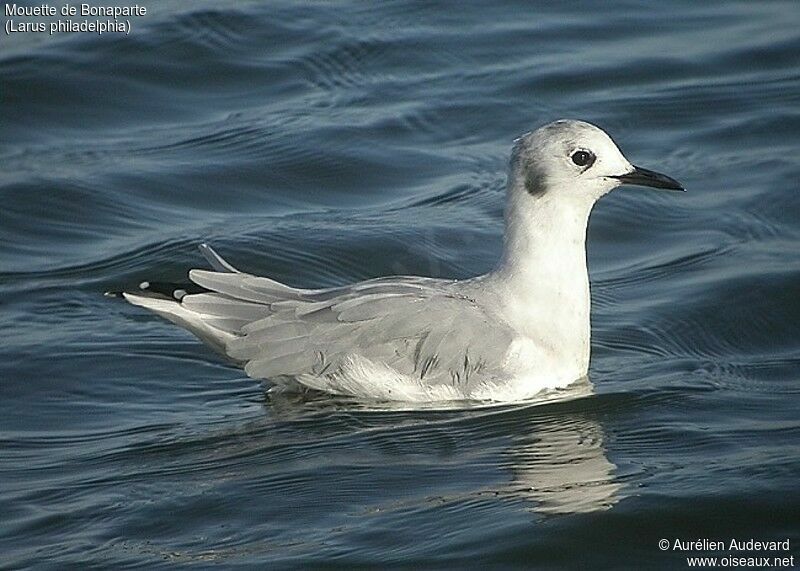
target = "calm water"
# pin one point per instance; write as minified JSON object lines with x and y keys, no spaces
{"x":331,"y":142}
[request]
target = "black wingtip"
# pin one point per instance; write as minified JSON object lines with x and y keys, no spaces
{"x":160,"y":290}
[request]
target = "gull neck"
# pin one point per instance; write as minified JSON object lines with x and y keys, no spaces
{"x":543,"y":271}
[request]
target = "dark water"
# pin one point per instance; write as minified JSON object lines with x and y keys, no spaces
{"x":331,"y":142}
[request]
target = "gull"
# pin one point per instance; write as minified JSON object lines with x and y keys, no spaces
{"x":521,"y":329}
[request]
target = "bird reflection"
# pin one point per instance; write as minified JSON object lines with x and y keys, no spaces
{"x":560,"y":463}
{"x":554,"y":449}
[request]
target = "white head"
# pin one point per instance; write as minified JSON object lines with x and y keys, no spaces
{"x":576,"y":159}
{"x":557,"y":174}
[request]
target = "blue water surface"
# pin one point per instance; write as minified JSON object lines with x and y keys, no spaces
{"x":325,"y":142}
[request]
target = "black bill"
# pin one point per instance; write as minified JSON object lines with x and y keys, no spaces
{"x":645,"y":177}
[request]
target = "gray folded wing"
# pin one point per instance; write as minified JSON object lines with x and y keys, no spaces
{"x":418,"y":326}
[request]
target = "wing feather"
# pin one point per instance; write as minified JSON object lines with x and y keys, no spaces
{"x":417,"y":326}
{"x":270,"y":366}
{"x":220,"y":305}
{"x":375,"y":306}
{"x":244,"y":286}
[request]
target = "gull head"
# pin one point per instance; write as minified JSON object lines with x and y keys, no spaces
{"x":575,"y":159}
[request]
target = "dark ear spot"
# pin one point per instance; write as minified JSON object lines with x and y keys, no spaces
{"x":535,"y":181}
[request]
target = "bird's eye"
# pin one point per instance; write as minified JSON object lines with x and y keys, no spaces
{"x":583,"y":158}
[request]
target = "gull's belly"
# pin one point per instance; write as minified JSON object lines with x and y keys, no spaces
{"x":540,"y":367}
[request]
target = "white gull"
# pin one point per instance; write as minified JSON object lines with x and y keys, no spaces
{"x":507,"y":335}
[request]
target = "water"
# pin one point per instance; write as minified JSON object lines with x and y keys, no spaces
{"x":331,"y":142}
